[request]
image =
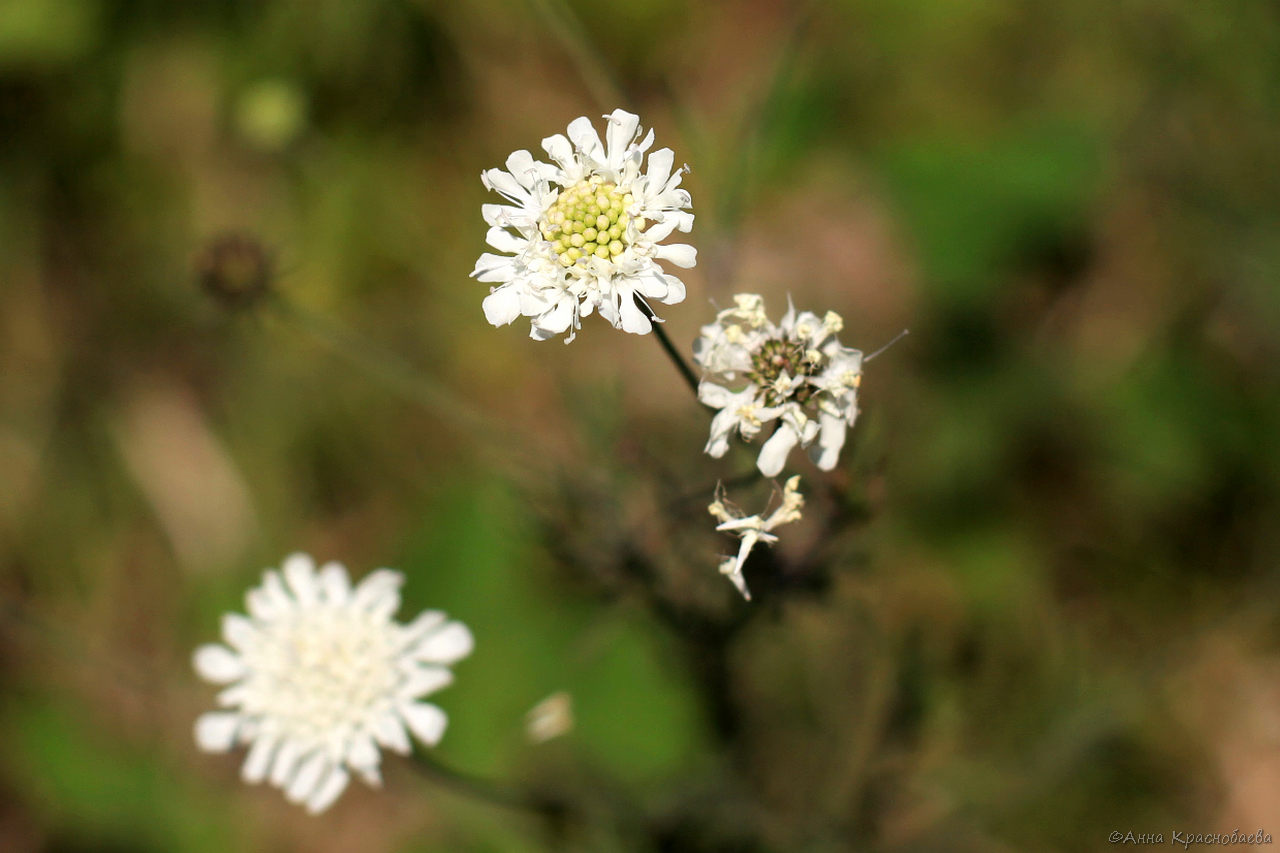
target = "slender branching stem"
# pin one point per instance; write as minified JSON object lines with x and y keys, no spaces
{"x":669,"y":348}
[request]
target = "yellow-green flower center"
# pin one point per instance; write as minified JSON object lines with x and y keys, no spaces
{"x":587,"y":219}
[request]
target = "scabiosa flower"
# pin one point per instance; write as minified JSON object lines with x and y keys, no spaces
{"x":752,"y":528}
{"x":796,"y":373}
{"x":585,"y":234}
{"x":320,"y":676}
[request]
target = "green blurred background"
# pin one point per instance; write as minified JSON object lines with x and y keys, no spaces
{"x":1052,"y":609}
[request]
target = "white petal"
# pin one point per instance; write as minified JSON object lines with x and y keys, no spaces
{"x":585,"y":138}
{"x":218,"y":664}
{"x":286,"y":762}
{"x":424,"y":623}
{"x":426,"y":721}
{"x":715,"y":395}
{"x":335,"y":586}
{"x":620,"y":131}
{"x":491,"y":268}
{"x":239,"y":632}
{"x":376,"y":587}
{"x":504,"y":241}
{"x":300,"y":574}
{"x":305,"y":781}
{"x":681,"y":254}
{"x":559,"y":149}
{"x":660,"y":168}
{"x":502,"y":306}
{"x":675,"y":291}
{"x":448,"y":645}
{"x":328,"y":790}
{"x":389,"y":732}
{"x":660,"y":230}
{"x":556,"y":320}
{"x":773,"y":455}
{"x":421,"y":681}
{"x":826,"y":453}
{"x":273,"y":589}
{"x":632,"y":319}
{"x":258,"y":761}
{"x":362,"y":753}
{"x":261,"y":606}
{"x":505,"y":184}
{"x":216,"y":731}
{"x":523,"y":168}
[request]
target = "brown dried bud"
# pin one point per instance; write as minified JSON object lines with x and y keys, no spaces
{"x":236,"y":269}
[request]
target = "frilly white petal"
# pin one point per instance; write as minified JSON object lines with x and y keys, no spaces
{"x":286,"y":762}
{"x":449,"y":644}
{"x":826,"y":453}
{"x":307,"y":779}
{"x":423,"y":681}
{"x":300,"y":574}
{"x":389,"y":732}
{"x":377,"y":587}
{"x":258,"y":761}
{"x":681,"y":254}
{"x":773,"y":455}
{"x":239,"y":632}
{"x":216,"y":731}
{"x":218,"y":664}
{"x":502,"y":306}
{"x":426,"y":721}
{"x":335,"y":586}
{"x":328,"y":790}
{"x":362,"y":753}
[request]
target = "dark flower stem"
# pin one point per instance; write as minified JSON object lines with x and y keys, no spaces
{"x":669,"y":348}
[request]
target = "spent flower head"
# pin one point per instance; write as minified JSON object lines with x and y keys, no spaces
{"x":585,"y":232}
{"x":752,"y":528}
{"x":320,"y":676}
{"x":795,"y":373}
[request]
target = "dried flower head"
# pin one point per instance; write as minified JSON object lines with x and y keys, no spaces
{"x":795,"y":372}
{"x":236,"y":269}
{"x":753,"y":528}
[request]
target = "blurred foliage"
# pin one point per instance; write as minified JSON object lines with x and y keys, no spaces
{"x":1034,"y":606}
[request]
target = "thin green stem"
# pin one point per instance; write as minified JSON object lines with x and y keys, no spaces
{"x":686,"y":372}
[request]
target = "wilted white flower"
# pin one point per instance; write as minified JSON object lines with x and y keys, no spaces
{"x":320,"y":676}
{"x":550,"y":718}
{"x":585,"y":233}
{"x":753,"y":528}
{"x":796,"y":373}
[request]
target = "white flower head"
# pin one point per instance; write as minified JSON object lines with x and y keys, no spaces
{"x":320,"y":676}
{"x":795,"y":372}
{"x":753,"y":528}
{"x":584,"y":233}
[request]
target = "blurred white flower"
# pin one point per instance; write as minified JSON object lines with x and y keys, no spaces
{"x":550,"y":718}
{"x":320,"y":676}
{"x":796,"y":373}
{"x":585,"y":234}
{"x":753,"y":528}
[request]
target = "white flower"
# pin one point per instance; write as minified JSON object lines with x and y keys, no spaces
{"x":320,"y":676}
{"x":796,"y":373}
{"x":585,"y":234}
{"x":753,"y":528}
